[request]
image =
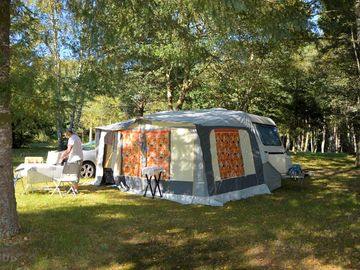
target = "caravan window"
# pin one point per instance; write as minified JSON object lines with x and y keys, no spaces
{"x":269,"y":135}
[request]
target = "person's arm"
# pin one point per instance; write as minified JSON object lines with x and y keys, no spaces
{"x":66,"y":153}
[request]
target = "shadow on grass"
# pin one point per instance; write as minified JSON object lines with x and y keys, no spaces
{"x":311,"y":228}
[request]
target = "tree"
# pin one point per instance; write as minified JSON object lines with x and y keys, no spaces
{"x":340,"y":54}
{"x":181,"y":42}
{"x":29,"y":86}
{"x":357,"y":11}
{"x":9,"y":224}
{"x":101,"y":111}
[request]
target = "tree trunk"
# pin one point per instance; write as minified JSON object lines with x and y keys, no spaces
{"x":312,"y":142}
{"x":349,"y":137}
{"x":298,"y":144}
{"x":72,"y":118}
{"x":185,"y":88}
{"x":76,"y":113}
{"x":306,"y":143}
{"x":357,"y":162}
{"x":323,"y":139}
{"x":287,"y":147}
{"x":315,"y":138}
{"x":357,"y":12}
{"x":293,"y":149}
{"x":55,"y":51}
{"x":90,"y":134}
{"x":9,"y":222}
{"x":301,"y":142}
{"x":354,"y":139}
{"x":78,"y":100}
{"x":337,"y":139}
{"x":169,"y":88}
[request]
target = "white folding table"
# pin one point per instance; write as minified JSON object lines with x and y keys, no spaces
{"x":37,"y":173}
{"x":150,"y":173}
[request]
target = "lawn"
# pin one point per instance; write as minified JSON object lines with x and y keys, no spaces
{"x":311,"y":226}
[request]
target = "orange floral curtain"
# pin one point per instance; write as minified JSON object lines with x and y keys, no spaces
{"x":158,"y":150}
{"x":229,"y":153}
{"x":131,"y":152}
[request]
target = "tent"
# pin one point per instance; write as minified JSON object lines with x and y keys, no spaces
{"x":209,"y":156}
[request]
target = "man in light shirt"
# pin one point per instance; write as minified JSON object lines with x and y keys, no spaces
{"x":73,"y":153}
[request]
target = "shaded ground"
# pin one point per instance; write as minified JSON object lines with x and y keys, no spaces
{"x":311,"y":226}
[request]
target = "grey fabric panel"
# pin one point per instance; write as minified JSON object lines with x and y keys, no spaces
{"x":118,"y":126}
{"x":261,"y":119}
{"x":135,"y":183}
{"x":204,"y":135}
{"x":216,"y":200}
{"x":200,"y":184}
{"x":177,"y":187}
{"x":99,"y":156}
{"x":272,"y":177}
{"x":173,"y":187}
{"x":204,"y":117}
{"x":257,"y":156}
{"x":239,"y":183}
{"x":220,"y":199}
{"x":209,"y":117}
{"x":71,"y":168}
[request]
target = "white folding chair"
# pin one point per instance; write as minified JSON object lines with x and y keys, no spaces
{"x":18,"y":177}
{"x":70,"y":175}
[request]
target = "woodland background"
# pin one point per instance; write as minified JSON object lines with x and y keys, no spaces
{"x":88,"y":63}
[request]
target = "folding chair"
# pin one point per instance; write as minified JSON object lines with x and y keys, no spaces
{"x":296,"y":173}
{"x":18,"y":177}
{"x":70,"y":175}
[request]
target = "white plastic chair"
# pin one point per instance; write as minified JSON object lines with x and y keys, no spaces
{"x":70,"y":175}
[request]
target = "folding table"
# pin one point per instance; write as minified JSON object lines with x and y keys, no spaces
{"x":150,"y":173}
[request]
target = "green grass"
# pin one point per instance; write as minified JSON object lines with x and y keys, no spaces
{"x":311,"y":226}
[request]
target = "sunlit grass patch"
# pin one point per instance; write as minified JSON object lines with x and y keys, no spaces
{"x":314,"y":225}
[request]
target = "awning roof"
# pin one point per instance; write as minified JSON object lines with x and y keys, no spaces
{"x":208,"y":117}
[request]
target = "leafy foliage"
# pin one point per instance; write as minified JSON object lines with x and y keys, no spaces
{"x":294,"y":61}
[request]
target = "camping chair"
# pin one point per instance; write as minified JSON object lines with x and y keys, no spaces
{"x":295,"y":172}
{"x":18,"y":177}
{"x":29,"y":160}
{"x":70,"y":175}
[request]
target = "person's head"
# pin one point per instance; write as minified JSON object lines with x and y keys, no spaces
{"x":68,"y":133}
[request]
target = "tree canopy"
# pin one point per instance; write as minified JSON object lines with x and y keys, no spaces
{"x":87,"y":62}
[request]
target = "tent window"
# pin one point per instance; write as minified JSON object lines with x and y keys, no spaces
{"x":109,"y":149}
{"x":131,"y":153}
{"x":229,"y":153}
{"x":158,"y":150}
{"x":108,"y":154}
{"x":269,"y":135}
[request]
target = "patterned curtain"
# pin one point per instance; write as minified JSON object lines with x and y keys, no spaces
{"x":229,"y":153}
{"x":131,"y":152}
{"x":158,"y":150}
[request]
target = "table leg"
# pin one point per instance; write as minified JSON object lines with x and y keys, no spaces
{"x":57,"y":188}
{"x":148,"y":180}
{"x":157,"y":184}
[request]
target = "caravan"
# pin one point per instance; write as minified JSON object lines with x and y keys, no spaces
{"x":208,"y":156}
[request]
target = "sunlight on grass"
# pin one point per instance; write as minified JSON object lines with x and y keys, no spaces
{"x":309,"y":226}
